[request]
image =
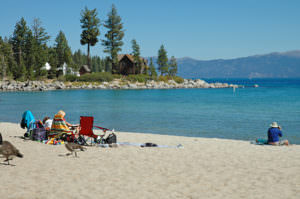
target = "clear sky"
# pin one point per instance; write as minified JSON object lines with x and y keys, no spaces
{"x":201,"y":29}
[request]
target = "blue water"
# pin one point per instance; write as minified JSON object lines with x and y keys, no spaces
{"x":220,"y":113}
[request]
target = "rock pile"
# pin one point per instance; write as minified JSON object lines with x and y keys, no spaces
{"x":11,"y":85}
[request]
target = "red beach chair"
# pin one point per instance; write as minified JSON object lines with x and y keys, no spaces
{"x":86,"y":128}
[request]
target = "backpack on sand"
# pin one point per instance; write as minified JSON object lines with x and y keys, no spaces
{"x":112,"y":138}
{"x":39,"y":133}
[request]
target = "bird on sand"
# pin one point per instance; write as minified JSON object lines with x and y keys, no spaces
{"x":73,"y":147}
{"x":8,"y":151}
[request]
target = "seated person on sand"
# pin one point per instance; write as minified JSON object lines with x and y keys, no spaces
{"x":47,"y":122}
{"x":274,"y":133}
{"x":60,"y":126}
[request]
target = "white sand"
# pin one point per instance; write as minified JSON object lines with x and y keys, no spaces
{"x":204,"y":168}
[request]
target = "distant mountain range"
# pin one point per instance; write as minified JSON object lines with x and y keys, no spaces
{"x":273,"y":65}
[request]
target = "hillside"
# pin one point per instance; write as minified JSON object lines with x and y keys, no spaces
{"x":273,"y":65}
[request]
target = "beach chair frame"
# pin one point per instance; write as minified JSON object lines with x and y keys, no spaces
{"x":86,"y":129}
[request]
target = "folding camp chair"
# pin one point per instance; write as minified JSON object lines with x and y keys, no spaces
{"x":86,"y":129}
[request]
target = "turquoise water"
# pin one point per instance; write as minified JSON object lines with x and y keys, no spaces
{"x":222,"y":113}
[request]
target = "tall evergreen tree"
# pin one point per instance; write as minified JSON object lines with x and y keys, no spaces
{"x":18,"y":44}
{"x":90,"y":24}
{"x":162,"y":60}
{"x":173,"y":67}
{"x":7,"y":60}
{"x":18,"y":40}
{"x":53,"y":61}
{"x":40,"y":39}
{"x":63,"y":51}
{"x":114,"y":36}
{"x":30,"y":57}
{"x":152,"y":69}
{"x":78,"y":59}
{"x":136,"y":54}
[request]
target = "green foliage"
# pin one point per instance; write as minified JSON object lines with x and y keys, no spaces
{"x":164,"y":78}
{"x":39,"y":49}
{"x":136,"y":54}
{"x":95,"y":77}
{"x":39,"y":33}
{"x":90,"y":24}
{"x":71,"y":78}
{"x":173,"y":67}
{"x":178,"y":80}
{"x":138,"y":78}
{"x":78,"y":59}
{"x":162,"y":60}
{"x":63,"y":51}
{"x":152,"y":70}
{"x":18,"y":40}
{"x":114,"y":36}
{"x":7,"y":61}
{"x":117,"y":76}
{"x":61,"y":78}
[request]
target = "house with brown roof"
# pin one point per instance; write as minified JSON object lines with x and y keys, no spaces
{"x":84,"y":69}
{"x":128,"y":66}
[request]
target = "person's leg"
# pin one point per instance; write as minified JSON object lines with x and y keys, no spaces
{"x":286,"y":142}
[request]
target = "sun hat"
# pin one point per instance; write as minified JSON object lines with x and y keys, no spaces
{"x":274,"y":125}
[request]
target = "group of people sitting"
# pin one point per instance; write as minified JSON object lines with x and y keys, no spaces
{"x":55,"y":127}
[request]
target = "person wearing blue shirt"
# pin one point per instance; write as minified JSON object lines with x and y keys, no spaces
{"x":274,"y":133}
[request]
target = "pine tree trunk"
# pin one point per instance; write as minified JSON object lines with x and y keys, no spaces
{"x":88,"y":56}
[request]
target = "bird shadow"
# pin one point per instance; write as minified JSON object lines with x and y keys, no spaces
{"x":65,"y":155}
{"x":5,"y":164}
{"x":25,"y":139}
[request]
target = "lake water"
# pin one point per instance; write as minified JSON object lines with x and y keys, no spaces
{"x":244,"y":114}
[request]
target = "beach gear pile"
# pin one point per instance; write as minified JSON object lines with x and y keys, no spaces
{"x":60,"y":133}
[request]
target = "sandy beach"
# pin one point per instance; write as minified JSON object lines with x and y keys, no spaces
{"x":204,"y":168}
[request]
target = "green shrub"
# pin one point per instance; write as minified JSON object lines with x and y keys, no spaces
{"x":164,"y":78}
{"x":138,"y":78}
{"x":61,"y":78}
{"x":71,"y":78}
{"x":117,"y":76}
{"x":178,"y":80}
{"x":96,"y":77}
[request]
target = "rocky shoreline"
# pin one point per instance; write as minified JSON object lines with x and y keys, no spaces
{"x":11,"y":85}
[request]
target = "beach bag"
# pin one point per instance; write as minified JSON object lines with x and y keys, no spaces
{"x":112,"y":138}
{"x":39,"y":133}
{"x":23,"y":123}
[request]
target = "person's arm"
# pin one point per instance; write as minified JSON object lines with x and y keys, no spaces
{"x":279,"y":132}
{"x":68,"y":124}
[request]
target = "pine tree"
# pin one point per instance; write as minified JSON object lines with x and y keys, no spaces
{"x":90,"y":24}
{"x":152,"y":69}
{"x":136,"y":55}
{"x":8,"y":63}
{"x":63,"y":51}
{"x":18,"y":44}
{"x":29,"y":52}
{"x":39,"y":45}
{"x":114,"y":36}
{"x":173,"y":67}
{"x":162,"y":60}
{"x":53,"y":61}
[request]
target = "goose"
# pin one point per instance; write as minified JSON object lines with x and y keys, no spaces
{"x":73,"y":147}
{"x":8,"y":151}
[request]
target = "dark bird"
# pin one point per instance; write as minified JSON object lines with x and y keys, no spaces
{"x":73,"y":147}
{"x":8,"y":151}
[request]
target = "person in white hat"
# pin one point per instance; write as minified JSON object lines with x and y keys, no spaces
{"x":274,"y":133}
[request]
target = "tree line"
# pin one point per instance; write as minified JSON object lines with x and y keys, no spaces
{"x":24,"y":54}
